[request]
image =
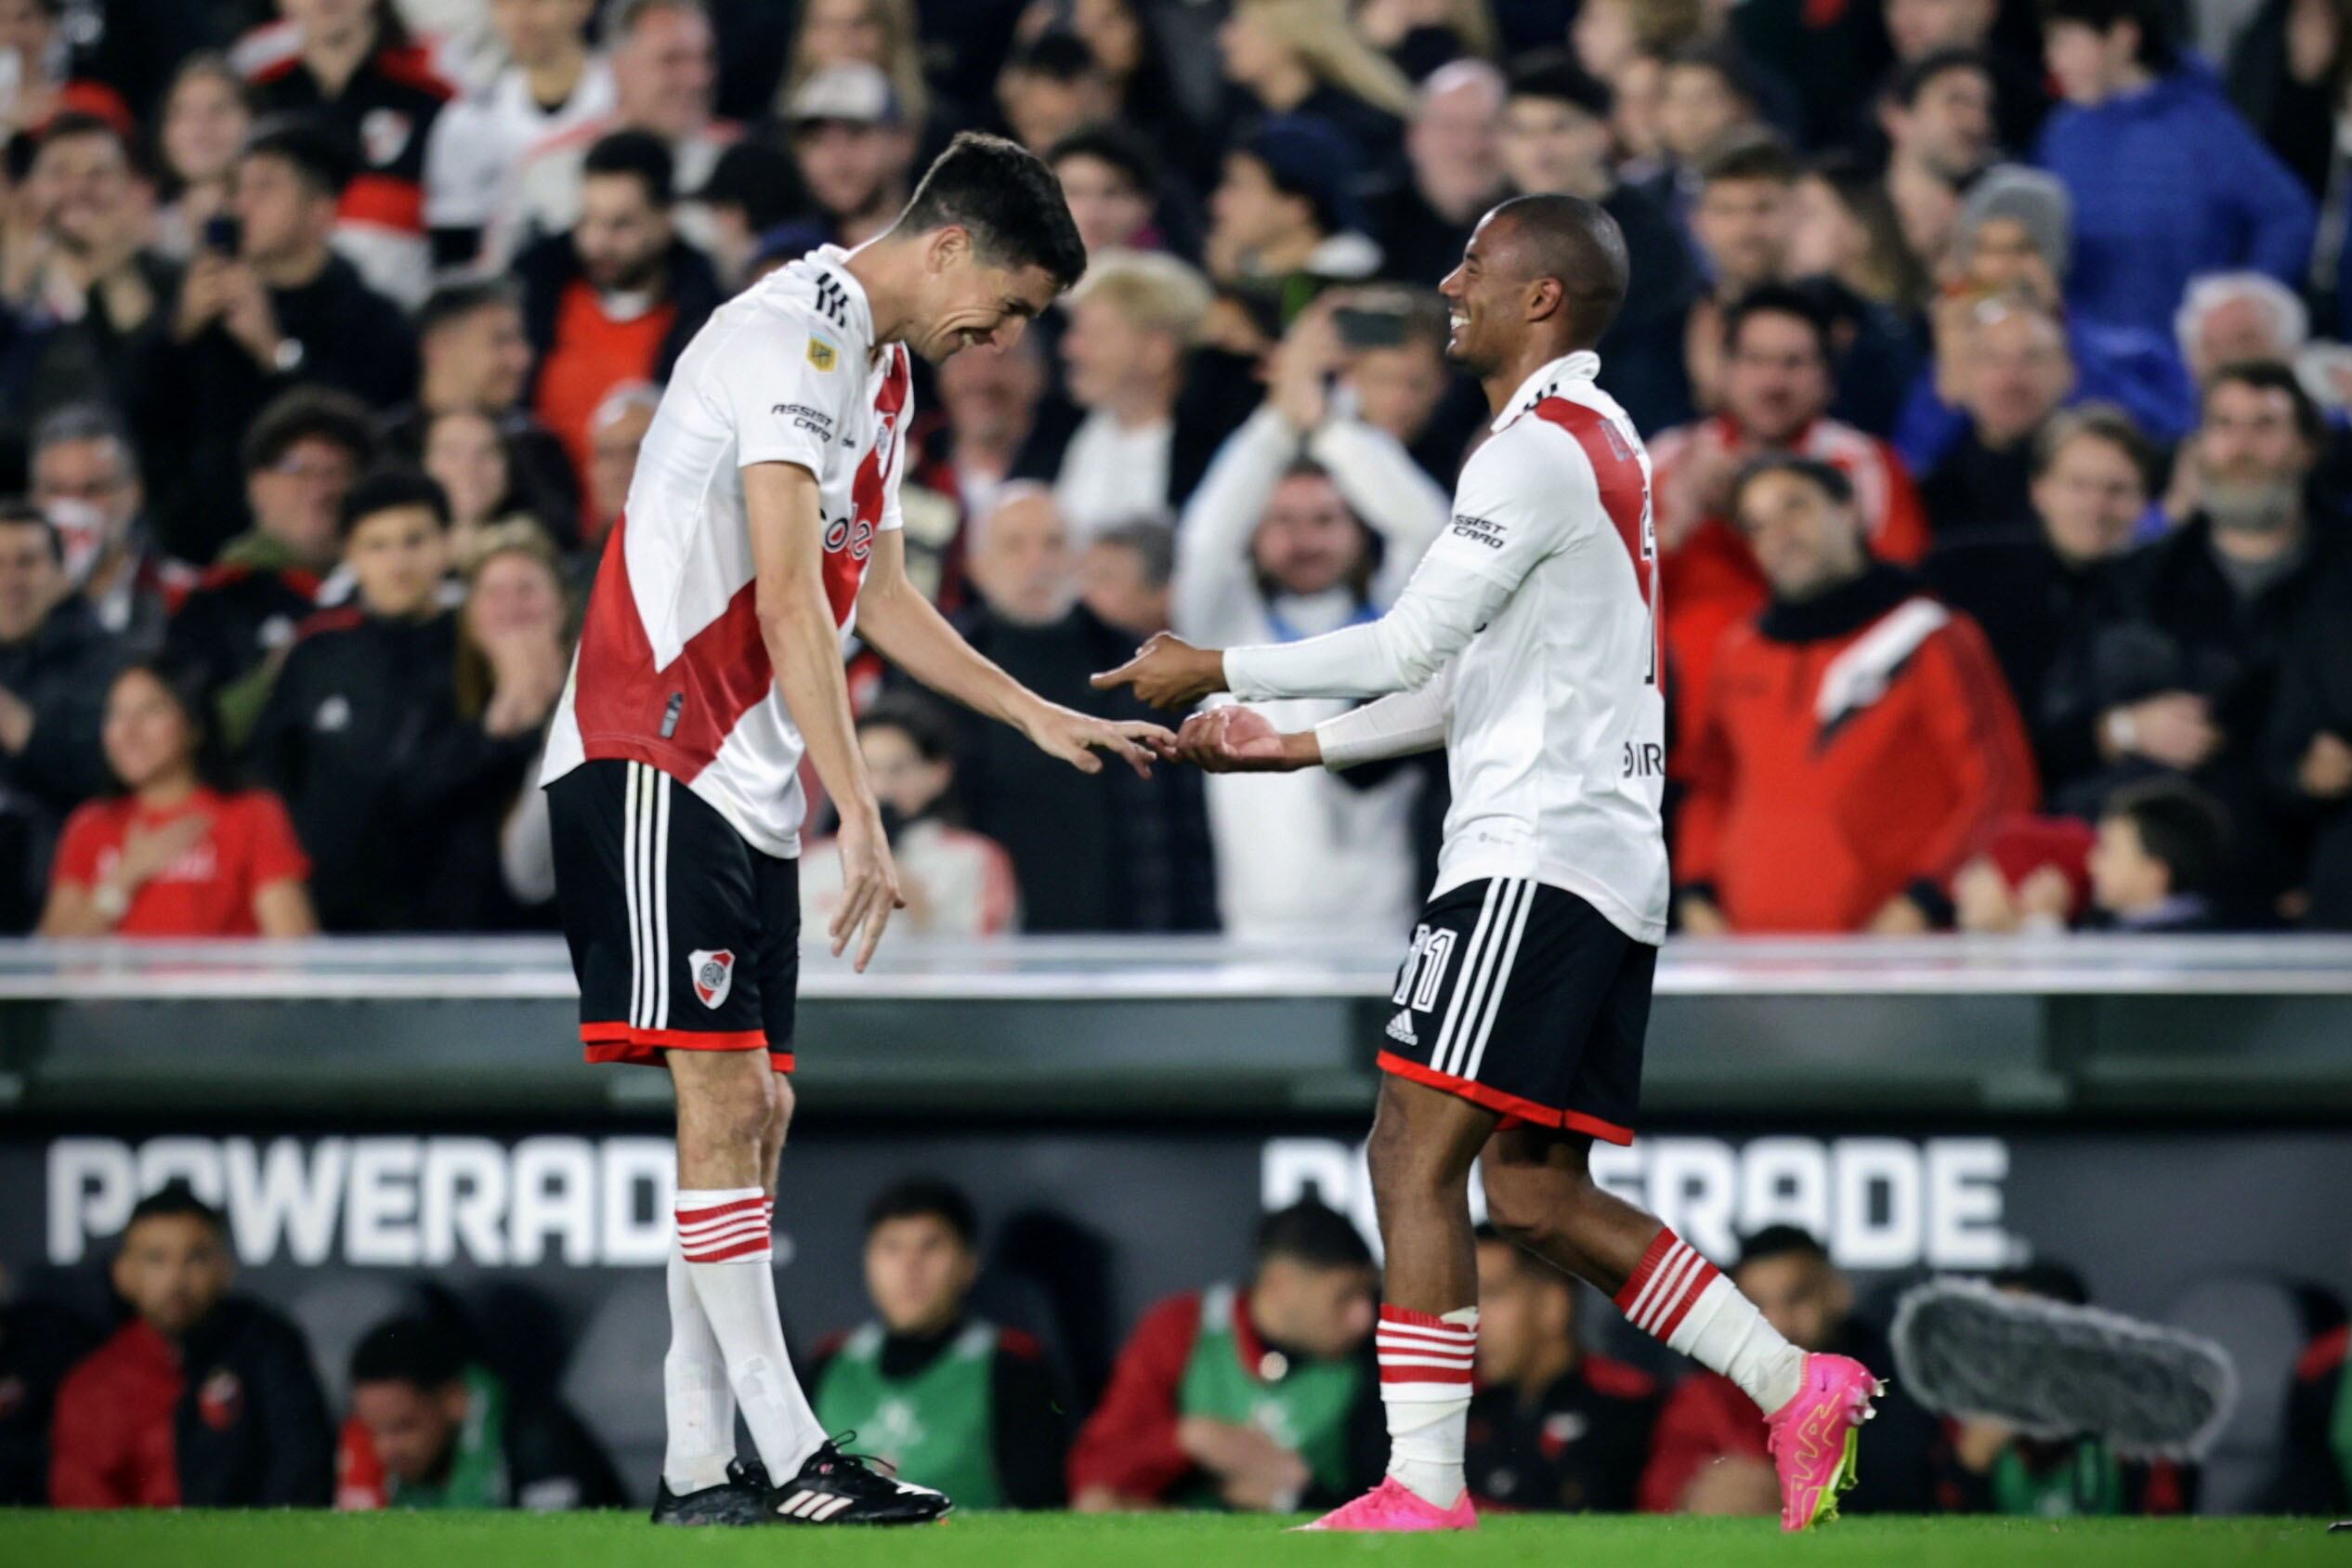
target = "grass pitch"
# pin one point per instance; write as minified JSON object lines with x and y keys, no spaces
{"x":483,"y":1540}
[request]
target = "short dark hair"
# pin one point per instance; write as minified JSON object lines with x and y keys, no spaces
{"x":1749,"y":152}
{"x":421,"y":1352}
{"x":641,"y":156}
{"x":1009,"y":200}
{"x":2269,"y":376}
{"x":1911,"y":80}
{"x":322,"y":157}
{"x":69,"y":123}
{"x":2179,"y":825}
{"x":1555,"y":76}
{"x":1115,"y":144}
{"x":1312,"y":1233}
{"x":17,"y":512}
{"x":920,"y":721}
{"x":1725,"y":60}
{"x":86,"y":421}
{"x":925,"y":1197}
{"x":1057,"y":54}
{"x":309,"y":414}
{"x":1780,"y":1241}
{"x":1779,"y":299}
{"x":387,"y":489}
{"x":456,"y":301}
{"x":2156,"y":48}
{"x":1152,"y":543}
{"x":1574,"y":241}
{"x":177,"y":1200}
{"x":1827,"y":477}
{"x":2096,"y":422}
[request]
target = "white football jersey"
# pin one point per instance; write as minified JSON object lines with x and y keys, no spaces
{"x":1555,"y":730}
{"x":479,"y":142}
{"x":672,"y":670}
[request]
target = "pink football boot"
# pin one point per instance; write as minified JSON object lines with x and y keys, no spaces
{"x":1814,"y":1437}
{"x":1393,"y":1506}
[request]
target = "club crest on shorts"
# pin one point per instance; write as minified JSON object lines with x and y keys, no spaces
{"x":713,"y":975}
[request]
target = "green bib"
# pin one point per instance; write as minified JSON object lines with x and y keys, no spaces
{"x":477,"y":1477}
{"x":2340,"y":1424}
{"x":939,"y":1426}
{"x":1304,"y":1406}
{"x":2087,"y":1484}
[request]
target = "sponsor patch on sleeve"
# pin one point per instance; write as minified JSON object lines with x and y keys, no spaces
{"x":1479,"y":530}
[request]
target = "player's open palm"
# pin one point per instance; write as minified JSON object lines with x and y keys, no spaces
{"x":1078,"y":739}
{"x":1233,"y":739}
{"x":869,"y":887}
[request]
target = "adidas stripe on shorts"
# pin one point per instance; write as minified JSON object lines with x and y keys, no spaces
{"x":1523,"y":998}
{"x":683,"y":937}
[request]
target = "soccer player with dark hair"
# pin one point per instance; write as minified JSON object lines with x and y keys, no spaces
{"x":203,"y":1399}
{"x":926,"y":1385}
{"x":1528,"y":645}
{"x":763,"y":524}
{"x":1255,"y":1397}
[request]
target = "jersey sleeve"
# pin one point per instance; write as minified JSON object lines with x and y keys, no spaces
{"x":277,"y":852}
{"x":78,"y":846}
{"x":784,"y":387}
{"x":1516,"y":503}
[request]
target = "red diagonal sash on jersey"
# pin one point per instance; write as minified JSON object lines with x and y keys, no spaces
{"x":1624,"y":496}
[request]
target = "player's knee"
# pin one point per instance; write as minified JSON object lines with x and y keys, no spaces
{"x":1530,"y":1206}
{"x":727,"y":1109}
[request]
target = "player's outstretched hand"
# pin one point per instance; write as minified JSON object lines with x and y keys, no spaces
{"x":1168,"y":673}
{"x":1237,"y":739}
{"x":869,"y":886}
{"x":1076,"y":737}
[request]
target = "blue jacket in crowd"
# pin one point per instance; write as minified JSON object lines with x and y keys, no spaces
{"x":2170,"y":183}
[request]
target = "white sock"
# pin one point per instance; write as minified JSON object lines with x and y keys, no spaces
{"x":723,"y":1234}
{"x":694,"y":1394}
{"x":1677,"y":1296}
{"x":1426,"y":1362}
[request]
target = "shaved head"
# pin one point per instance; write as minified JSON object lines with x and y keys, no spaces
{"x":1574,"y":241}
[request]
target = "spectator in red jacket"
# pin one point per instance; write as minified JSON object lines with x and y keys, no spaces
{"x":1262,"y":1399}
{"x":178,"y":853}
{"x":203,"y":1399}
{"x":1777,"y":386}
{"x":1709,"y":1455}
{"x":1552,"y":1425}
{"x":1856,"y":742}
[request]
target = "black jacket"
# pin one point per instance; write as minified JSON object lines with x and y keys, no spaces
{"x":39,"y":1342}
{"x":283,"y":1454}
{"x":1102,"y":852}
{"x":2314,"y":698}
{"x":361,"y":738}
{"x":1642,"y":362}
{"x":196,"y":399}
{"x":549,"y":268}
{"x":61,"y":672}
{"x":1976,"y":493}
{"x":1578,"y":1448}
{"x":2165,"y":618}
{"x":2025,"y":596}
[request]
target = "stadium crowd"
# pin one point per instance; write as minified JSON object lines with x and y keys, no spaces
{"x":1251,"y":1394}
{"x":2001,"y":457}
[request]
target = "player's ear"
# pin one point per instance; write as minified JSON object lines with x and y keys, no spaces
{"x":1543,"y":298}
{"x":950,"y":247}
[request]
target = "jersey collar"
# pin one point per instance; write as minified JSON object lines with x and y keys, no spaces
{"x":825,"y":262}
{"x":1582,"y":365}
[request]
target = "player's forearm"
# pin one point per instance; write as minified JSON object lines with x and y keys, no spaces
{"x":1400,"y":726}
{"x":911,"y":633}
{"x":803,"y":647}
{"x":1405,"y":649}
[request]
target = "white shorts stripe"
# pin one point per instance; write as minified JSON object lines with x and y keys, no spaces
{"x":1480,"y":977}
{"x":629,"y":887}
{"x":646,"y":965}
{"x":1462,"y":976}
{"x":661,"y":888}
{"x":1502,"y":979}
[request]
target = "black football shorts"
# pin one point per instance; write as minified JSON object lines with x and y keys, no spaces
{"x":1523,"y":998}
{"x":683,"y":937}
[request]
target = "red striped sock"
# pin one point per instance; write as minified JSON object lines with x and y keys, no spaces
{"x":725,"y":1227}
{"x":1666,"y":1284}
{"x":1418,"y":1349}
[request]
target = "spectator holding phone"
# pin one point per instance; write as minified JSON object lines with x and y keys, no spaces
{"x":178,"y":851}
{"x":205,"y":118}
